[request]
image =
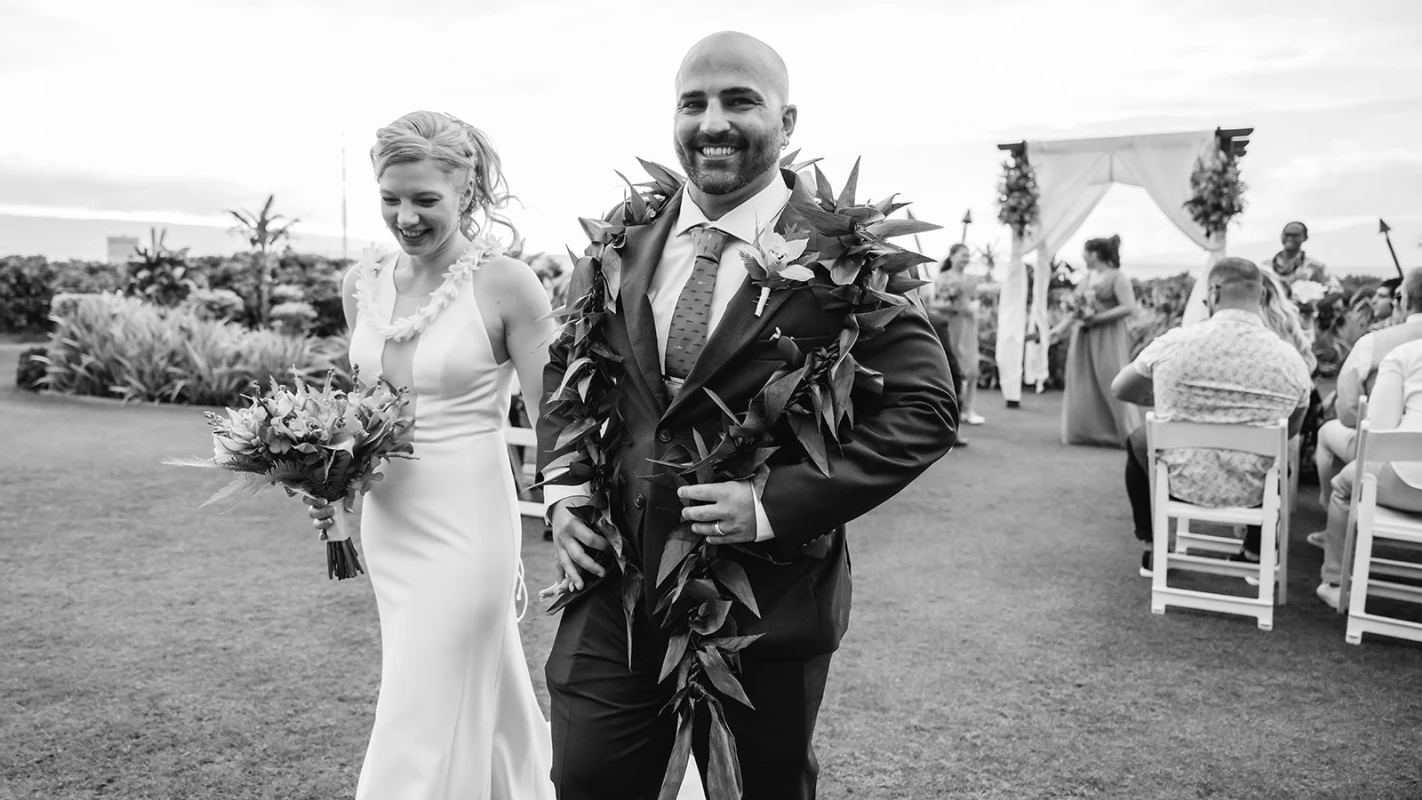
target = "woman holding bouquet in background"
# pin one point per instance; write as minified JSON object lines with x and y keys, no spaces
{"x":1100,"y":347}
{"x":956,"y":297}
{"x":451,"y":318}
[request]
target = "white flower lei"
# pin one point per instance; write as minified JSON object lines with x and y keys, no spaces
{"x":480,"y":249}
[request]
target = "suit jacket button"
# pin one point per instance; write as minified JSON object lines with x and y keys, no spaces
{"x":664,"y":435}
{"x":640,"y":501}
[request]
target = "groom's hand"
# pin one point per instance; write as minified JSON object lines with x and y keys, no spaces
{"x":722,"y":512}
{"x":571,"y":542}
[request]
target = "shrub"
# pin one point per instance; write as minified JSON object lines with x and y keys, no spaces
{"x":29,"y":375}
{"x":221,"y":304}
{"x":26,"y":286}
{"x":319,"y":280}
{"x":113,"y":346}
{"x":88,"y":277}
{"x":293,"y":318}
{"x":287,"y":293}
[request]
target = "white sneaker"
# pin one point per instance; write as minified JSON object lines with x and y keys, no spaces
{"x":1331,"y":594}
{"x":974,"y":419}
{"x":1316,"y":539}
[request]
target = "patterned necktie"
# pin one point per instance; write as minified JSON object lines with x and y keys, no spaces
{"x":692,"y":318}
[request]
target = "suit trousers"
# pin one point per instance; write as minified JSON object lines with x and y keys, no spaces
{"x":611,"y":739}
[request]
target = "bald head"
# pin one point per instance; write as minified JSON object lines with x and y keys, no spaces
{"x":732,"y":52}
{"x":733,"y":117}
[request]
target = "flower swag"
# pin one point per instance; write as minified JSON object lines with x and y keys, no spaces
{"x":1017,"y":195}
{"x":825,"y":243}
{"x":1218,"y":193}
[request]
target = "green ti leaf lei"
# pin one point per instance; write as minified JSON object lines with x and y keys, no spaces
{"x":809,"y":401}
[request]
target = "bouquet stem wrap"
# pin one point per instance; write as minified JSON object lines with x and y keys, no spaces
{"x":342,"y":561}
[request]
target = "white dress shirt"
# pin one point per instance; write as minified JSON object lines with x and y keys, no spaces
{"x":741,"y":224}
{"x":1397,"y":401}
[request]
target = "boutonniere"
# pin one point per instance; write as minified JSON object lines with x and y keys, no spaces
{"x":778,"y":262}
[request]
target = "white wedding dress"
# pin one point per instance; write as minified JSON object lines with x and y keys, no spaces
{"x":457,"y":717}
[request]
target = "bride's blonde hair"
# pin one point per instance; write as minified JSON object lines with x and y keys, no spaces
{"x":458,"y":149}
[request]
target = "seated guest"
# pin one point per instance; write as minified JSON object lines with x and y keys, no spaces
{"x":1396,"y":402}
{"x":1230,"y":370}
{"x":1355,"y":379}
{"x":1383,"y":305}
{"x":1281,"y":316}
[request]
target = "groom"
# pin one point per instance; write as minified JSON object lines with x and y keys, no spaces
{"x":685,"y":322}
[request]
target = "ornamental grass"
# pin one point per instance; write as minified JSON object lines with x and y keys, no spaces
{"x":106,"y":345}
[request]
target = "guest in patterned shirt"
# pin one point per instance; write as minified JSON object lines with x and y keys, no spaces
{"x":1293,"y":265}
{"x":1228,"y":370}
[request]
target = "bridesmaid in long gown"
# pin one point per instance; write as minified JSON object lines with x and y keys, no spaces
{"x":956,"y":297}
{"x":1100,"y":346}
{"x":452,"y":319}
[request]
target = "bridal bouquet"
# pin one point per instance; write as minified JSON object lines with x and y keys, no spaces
{"x":322,"y":443}
{"x":1308,"y":293}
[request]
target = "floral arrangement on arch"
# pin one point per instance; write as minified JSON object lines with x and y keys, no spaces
{"x":1218,"y":193}
{"x":1017,"y":195}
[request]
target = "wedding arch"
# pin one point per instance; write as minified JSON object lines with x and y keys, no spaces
{"x":1049,"y":188}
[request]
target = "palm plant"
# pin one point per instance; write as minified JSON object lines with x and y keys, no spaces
{"x":159,"y":274}
{"x":263,"y":231}
{"x":989,"y":254}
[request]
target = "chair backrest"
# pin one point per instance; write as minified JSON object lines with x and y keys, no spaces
{"x":1376,"y":448}
{"x":521,"y":437}
{"x":1264,"y":440}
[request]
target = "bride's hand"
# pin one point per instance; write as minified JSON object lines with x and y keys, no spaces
{"x":321,"y":513}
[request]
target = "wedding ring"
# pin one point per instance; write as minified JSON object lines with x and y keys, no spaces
{"x":719,"y":532}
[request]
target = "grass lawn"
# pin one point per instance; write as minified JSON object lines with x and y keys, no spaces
{"x":1001,"y":643}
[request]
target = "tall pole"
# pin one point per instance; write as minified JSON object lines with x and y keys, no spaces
{"x":967,"y":220}
{"x":1383,"y":229}
{"x":343,"y":197}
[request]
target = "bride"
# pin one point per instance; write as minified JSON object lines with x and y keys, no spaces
{"x":453,"y":319}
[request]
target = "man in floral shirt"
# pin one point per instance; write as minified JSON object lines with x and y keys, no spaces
{"x":1293,"y":264}
{"x":1229,"y":370}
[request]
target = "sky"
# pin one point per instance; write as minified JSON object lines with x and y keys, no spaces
{"x":173,"y":110}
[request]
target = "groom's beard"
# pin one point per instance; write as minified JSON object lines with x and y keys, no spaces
{"x":754,"y":159}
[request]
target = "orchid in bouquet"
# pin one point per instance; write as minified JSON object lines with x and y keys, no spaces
{"x":323,"y":443}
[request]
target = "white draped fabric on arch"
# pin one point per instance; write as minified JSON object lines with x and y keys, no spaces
{"x":1072,"y":176}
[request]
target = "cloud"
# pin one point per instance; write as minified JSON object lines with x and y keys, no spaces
{"x":28,"y":186}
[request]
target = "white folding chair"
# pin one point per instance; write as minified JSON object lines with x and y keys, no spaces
{"x":1350,"y":540}
{"x":1376,"y":449}
{"x":1272,"y":516}
{"x":523,"y":473}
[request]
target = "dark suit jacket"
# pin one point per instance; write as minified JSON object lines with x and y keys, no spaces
{"x":804,"y":594}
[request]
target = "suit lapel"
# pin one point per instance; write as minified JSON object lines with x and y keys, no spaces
{"x":738,"y":327}
{"x":639,"y":263}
